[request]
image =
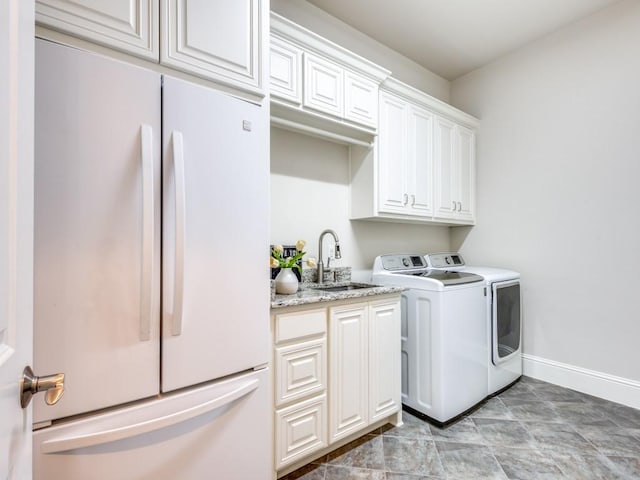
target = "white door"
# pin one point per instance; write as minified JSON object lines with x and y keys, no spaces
{"x":16,"y":231}
{"x":220,"y":40}
{"x":392,"y":156}
{"x":384,"y":359}
{"x":445,"y":199}
{"x":420,"y":161}
{"x":348,"y":367}
{"x":466,"y":155}
{"x":215,"y":235}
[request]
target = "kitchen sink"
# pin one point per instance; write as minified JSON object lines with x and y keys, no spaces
{"x":344,"y":288}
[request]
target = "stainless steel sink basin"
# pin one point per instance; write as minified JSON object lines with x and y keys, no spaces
{"x":344,"y":288}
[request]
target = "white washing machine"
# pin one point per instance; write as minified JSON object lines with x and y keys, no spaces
{"x":503,"y":313}
{"x":444,"y":338}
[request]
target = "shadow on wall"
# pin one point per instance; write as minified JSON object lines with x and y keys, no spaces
{"x":378,"y":238}
{"x":458,"y":237}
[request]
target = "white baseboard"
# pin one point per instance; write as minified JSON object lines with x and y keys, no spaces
{"x":598,"y":384}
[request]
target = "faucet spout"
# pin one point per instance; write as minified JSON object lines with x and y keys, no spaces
{"x":338,"y":254}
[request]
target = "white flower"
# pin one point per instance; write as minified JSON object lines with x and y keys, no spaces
{"x":273,"y":262}
{"x":278,"y":248}
{"x":311,"y":262}
{"x":300,"y":245}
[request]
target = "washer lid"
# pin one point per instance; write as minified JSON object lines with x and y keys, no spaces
{"x":448,"y":277}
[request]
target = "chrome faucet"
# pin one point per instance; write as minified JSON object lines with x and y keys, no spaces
{"x":337,"y":253}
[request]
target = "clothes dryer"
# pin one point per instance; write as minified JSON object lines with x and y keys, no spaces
{"x":503,"y":314}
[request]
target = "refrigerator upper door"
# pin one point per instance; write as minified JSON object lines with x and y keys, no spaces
{"x":97,"y":229}
{"x":215,"y":235}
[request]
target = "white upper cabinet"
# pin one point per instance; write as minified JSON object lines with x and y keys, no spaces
{"x":219,"y":40}
{"x":128,"y":25}
{"x":339,"y":98}
{"x":422,"y":166}
{"x":420,"y":180}
{"x":360,"y":99}
{"x":454,"y":171}
{"x":323,"y":82}
{"x":404,"y":158}
{"x":392,"y":154}
{"x":285,"y":71}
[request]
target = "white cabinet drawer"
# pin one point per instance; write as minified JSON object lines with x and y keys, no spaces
{"x":290,"y":326}
{"x":300,"y":430}
{"x":301,"y":370}
{"x":286,"y":71}
{"x":323,"y":85}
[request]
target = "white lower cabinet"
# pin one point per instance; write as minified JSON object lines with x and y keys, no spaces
{"x":336,"y":371}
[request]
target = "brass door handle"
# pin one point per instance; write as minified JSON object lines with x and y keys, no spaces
{"x":30,"y":384}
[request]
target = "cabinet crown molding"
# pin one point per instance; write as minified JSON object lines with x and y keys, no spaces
{"x":310,"y":41}
{"x":414,"y":95}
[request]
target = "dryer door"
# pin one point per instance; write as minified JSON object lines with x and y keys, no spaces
{"x":506,"y":321}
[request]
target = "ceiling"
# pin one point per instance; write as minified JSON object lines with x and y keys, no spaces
{"x":454,"y":37}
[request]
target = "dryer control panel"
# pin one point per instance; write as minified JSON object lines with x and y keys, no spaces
{"x":444,"y":260}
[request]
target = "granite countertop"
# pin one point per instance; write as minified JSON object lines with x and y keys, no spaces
{"x":308,"y":293}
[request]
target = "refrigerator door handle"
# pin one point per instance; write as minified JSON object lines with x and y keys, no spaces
{"x":148,"y":212}
{"x":178,"y":285}
{"x":112,"y":433}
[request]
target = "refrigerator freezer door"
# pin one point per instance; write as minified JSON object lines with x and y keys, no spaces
{"x":217,"y":431}
{"x":97,"y":229}
{"x":215,"y":235}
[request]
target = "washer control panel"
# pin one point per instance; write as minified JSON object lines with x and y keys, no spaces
{"x":403,"y":262}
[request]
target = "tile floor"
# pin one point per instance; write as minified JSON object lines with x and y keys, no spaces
{"x":534,"y":430}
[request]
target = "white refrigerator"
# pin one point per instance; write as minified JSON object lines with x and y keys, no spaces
{"x":151,"y":292}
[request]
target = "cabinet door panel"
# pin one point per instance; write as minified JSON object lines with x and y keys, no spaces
{"x":466,"y":172}
{"x":129,"y":25}
{"x":445,"y":205}
{"x":392,"y":155}
{"x":384,"y":359}
{"x":285,"y":71}
{"x":348,"y":389}
{"x":218,"y":40}
{"x":360,"y":100}
{"x":420,"y":162}
{"x":323,"y":83}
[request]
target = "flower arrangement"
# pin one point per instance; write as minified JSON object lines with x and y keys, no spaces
{"x":278,"y":261}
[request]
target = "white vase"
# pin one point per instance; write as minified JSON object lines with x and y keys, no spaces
{"x":286,"y":281}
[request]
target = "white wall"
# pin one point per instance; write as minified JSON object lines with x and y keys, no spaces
{"x":320,"y":22}
{"x":310,"y":192}
{"x":558,"y":187}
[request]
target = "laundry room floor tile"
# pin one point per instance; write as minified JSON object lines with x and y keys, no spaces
{"x":533,"y":430}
